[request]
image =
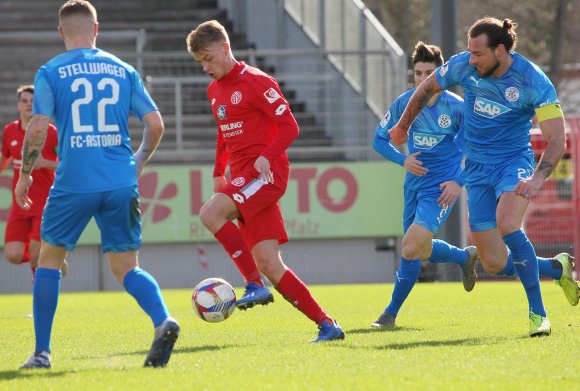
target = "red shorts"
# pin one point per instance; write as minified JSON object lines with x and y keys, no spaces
{"x":257,"y":203}
{"x":22,"y":228}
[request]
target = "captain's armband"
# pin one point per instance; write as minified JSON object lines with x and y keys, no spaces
{"x":553,"y":110}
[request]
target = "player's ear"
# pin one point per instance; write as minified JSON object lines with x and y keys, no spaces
{"x":226,"y":47}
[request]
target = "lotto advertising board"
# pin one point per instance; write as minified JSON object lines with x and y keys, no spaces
{"x":327,"y":200}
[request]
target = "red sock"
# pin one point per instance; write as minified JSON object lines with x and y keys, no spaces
{"x":230,"y":237}
{"x":297,"y":293}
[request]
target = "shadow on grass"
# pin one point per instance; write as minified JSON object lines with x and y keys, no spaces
{"x":186,"y":349}
{"x":26,"y":373}
{"x":447,"y":342}
{"x":371,"y":330}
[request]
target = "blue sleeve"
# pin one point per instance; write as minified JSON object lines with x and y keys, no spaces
{"x":141,"y":101}
{"x":542,"y":90}
{"x":385,"y":149}
{"x":460,"y":178}
{"x":452,"y":72}
{"x":44,"y":101}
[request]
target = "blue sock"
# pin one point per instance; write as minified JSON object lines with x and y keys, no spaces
{"x":526,"y":265}
{"x":549,"y":267}
{"x":509,"y":269}
{"x":44,"y":300}
{"x":143,"y":287}
{"x":405,"y":279}
{"x":444,"y":252}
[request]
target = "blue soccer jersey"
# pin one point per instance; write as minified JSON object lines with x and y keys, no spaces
{"x":90,"y":94}
{"x":498,"y":111}
{"x":436,"y":133}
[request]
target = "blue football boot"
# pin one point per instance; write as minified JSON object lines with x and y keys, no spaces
{"x":254,"y":294}
{"x":329,"y":332}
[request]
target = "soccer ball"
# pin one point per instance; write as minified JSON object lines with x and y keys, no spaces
{"x":213,"y":300}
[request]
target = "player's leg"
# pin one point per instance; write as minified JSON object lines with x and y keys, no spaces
{"x":510,"y":213}
{"x":216,"y":216}
{"x":16,"y":237}
{"x":431,"y":216}
{"x":293,"y":289}
{"x":34,"y":245}
{"x":119,"y":221}
{"x":45,"y":292}
{"x":64,"y":218}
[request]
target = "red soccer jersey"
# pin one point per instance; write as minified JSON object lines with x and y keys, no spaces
{"x":254,"y":119}
{"x":42,"y":178}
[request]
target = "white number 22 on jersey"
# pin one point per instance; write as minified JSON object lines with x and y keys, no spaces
{"x":88,"y":98}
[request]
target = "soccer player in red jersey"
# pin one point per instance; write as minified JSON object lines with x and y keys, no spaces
{"x":255,"y":126}
{"x":22,"y":236}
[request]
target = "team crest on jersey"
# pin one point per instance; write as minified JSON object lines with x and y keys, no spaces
{"x":221,"y":112}
{"x":488,"y":108}
{"x":444,"y":121}
{"x":512,"y":94}
{"x":385,"y":119}
{"x":14,"y":143}
{"x":239,"y":181}
{"x":236,"y":97}
{"x":426,"y":141}
{"x":271,"y":95}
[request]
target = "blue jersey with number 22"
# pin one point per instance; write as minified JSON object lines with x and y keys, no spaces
{"x":91,"y":94}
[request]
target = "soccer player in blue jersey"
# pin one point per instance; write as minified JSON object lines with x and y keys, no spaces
{"x":90,"y":94}
{"x":503,"y":91}
{"x":432,"y":184}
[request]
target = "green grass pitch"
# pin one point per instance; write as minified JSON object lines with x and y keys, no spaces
{"x":446,"y":339}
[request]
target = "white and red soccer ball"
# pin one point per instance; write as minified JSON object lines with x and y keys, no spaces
{"x":213,"y":300}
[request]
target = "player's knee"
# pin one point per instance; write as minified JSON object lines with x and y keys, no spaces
{"x":14,"y":257}
{"x":410,"y":250}
{"x":507,"y":226}
{"x":491,"y":264}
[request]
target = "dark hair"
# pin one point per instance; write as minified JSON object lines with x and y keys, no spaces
{"x":205,"y":34}
{"x":498,"y":32}
{"x":77,"y":7}
{"x":24,"y":88}
{"x":427,"y":53}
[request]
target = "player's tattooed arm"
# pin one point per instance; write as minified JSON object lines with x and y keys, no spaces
{"x":33,"y":142}
{"x":426,"y":90}
{"x":553,"y":131}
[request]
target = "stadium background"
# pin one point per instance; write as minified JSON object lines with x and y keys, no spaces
{"x":340,"y":69}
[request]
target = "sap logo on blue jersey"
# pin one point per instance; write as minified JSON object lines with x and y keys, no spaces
{"x":488,"y":108}
{"x":426,"y":141}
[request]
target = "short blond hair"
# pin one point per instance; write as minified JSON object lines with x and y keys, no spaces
{"x":77,"y":7}
{"x":205,"y":34}
{"x":24,"y":88}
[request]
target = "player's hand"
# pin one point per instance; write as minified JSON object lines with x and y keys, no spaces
{"x":398,"y":135}
{"x":218,"y":183}
{"x":451,"y":190}
{"x":529,"y":187}
{"x":262,"y":165}
{"x":415,"y":166}
{"x":21,"y":192}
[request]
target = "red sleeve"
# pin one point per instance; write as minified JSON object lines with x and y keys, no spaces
{"x":272,"y":102}
{"x":221,"y":156}
{"x":5,"y":149}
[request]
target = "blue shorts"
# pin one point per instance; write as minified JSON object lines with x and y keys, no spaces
{"x":116,"y":212}
{"x":487,"y":182}
{"x":421,"y":208}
